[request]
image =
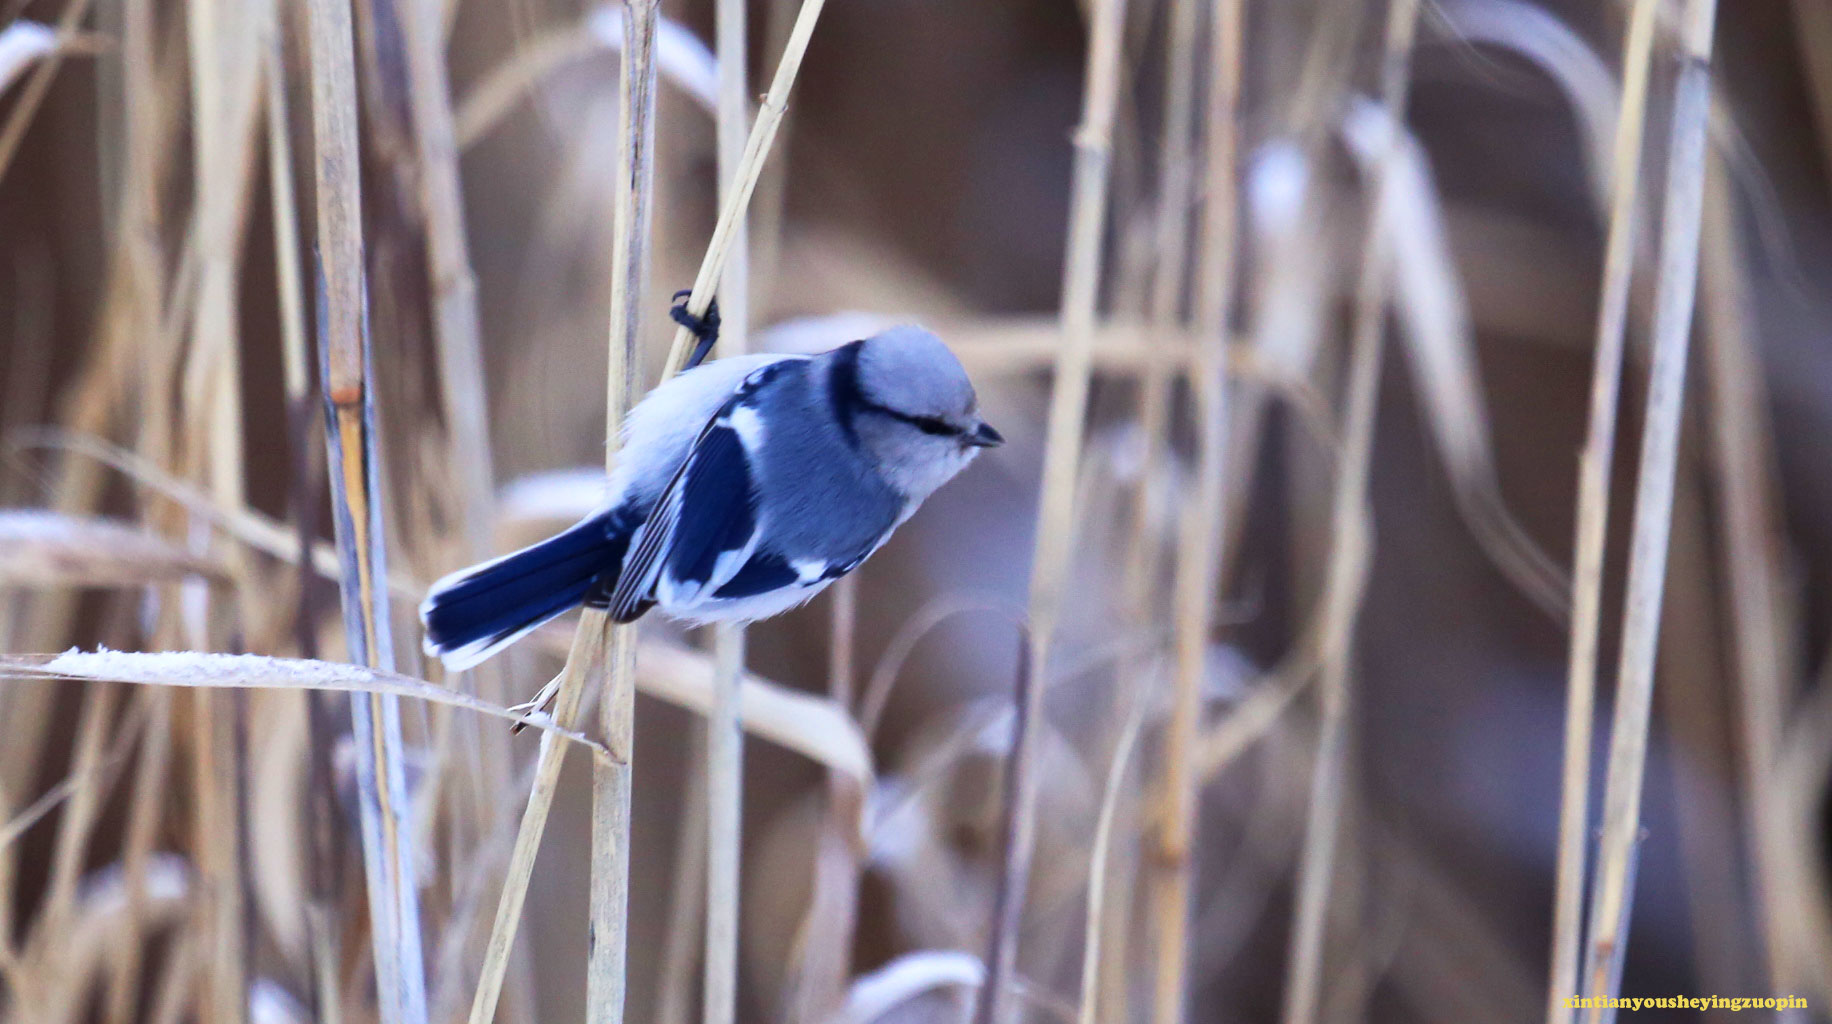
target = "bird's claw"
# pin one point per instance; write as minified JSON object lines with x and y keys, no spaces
{"x":705,"y":329}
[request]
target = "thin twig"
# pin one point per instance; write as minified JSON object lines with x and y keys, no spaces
{"x":344,"y":361}
{"x":1744,"y":456}
{"x":724,"y":807}
{"x":770,"y":113}
{"x":607,"y":984}
{"x":1014,"y":880}
{"x":1593,"y":513}
{"x":1203,"y":524}
{"x":323,"y":849}
{"x":1675,"y":296}
{"x":724,"y":730}
{"x":825,"y":937}
{"x":1092,"y":942}
{"x":38,"y":86}
{"x":684,"y":942}
{"x":1342,"y":586}
{"x":448,"y":264}
{"x":1145,"y":546}
{"x":1062,"y":453}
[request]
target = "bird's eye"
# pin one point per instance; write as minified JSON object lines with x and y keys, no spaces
{"x":933,"y":425}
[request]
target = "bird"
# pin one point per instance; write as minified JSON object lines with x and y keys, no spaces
{"x":743,"y":487}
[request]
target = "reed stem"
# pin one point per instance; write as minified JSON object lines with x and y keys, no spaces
{"x":1675,"y":297}
{"x":344,"y":366}
{"x":1088,"y":204}
{"x":1593,"y":512}
{"x":1198,"y":572}
{"x":1343,"y":582}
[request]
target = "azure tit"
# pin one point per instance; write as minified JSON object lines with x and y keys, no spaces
{"x":743,"y":488}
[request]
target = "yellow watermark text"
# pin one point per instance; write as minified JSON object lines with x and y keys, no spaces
{"x":1733,"y":1003}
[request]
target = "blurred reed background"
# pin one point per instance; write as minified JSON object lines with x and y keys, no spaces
{"x":1288,"y":664}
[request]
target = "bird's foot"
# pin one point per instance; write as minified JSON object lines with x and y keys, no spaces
{"x":705,"y":329}
{"x":538,"y":711}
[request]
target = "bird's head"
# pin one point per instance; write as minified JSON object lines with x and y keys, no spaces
{"x":909,"y":402}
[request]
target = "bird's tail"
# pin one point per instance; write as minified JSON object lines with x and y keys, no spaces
{"x":476,"y":612}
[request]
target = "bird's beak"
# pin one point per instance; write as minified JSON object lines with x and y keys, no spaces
{"x":985,"y":437}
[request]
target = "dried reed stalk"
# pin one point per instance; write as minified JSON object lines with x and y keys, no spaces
{"x":724,"y":807}
{"x":1166,"y":301}
{"x":77,"y":821}
{"x":1093,"y":943}
{"x":769,"y":207}
{"x":825,"y":937}
{"x":451,"y":293}
{"x":197,"y":670}
{"x":1813,"y":32}
{"x":770,"y":113}
{"x":1675,"y":295}
{"x":1342,"y":585}
{"x":1593,"y":511}
{"x":323,"y":848}
{"x":1198,"y":572}
{"x":599,"y":651}
{"x":32,"y":96}
{"x":225,"y":103}
{"x":1747,"y":491}
{"x":465,"y":405}
{"x":685,"y":939}
{"x":145,"y":802}
{"x":610,"y":844}
{"x":608,"y":956}
{"x":344,"y":362}
{"x":1055,"y":512}
{"x":148,"y":144}
{"x":1144,"y":554}
{"x":1008,"y":896}
{"x":724,"y":729}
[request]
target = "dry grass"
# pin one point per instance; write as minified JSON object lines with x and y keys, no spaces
{"x":1294,"y":671}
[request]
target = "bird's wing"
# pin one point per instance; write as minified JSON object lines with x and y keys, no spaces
{"x":703,"y":528}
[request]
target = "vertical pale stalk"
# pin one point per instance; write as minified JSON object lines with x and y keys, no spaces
{"x":452,"y":294}
{"x":1098,"y":869}
{"x":606,"y":982}
{"x":141,"y":284}
{"x":225,"y":97}
{"x":78,"y":818}
{"x":686,"y":896}
{"x":724,"y":815}
{"x":630,"y":269}
{"x":991,"y":1004}
{"x":344,"y":362}
{"x":770,"y":113}
{"x":607,"y":985}
{"x":770,"y":204}
{"x":448,"y":257}
{"x":724,"y":729}
{"x":1172,"y":232}
{"x":825,"y":938}
{"x":324,"y":853}
{"x":143,"y":817}
{"x":1345,"y":575}
{"x":1744,"y":457}
{"x":1055,"y":511}
{"x":1675,"y":295}
{"x":1144,"y":551}
{"x":588,"y":654}
{"x":1593,"y":512}
{"x":1198,"y":572}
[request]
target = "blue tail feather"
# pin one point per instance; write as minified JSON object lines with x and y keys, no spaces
{"x":471,"y":615}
